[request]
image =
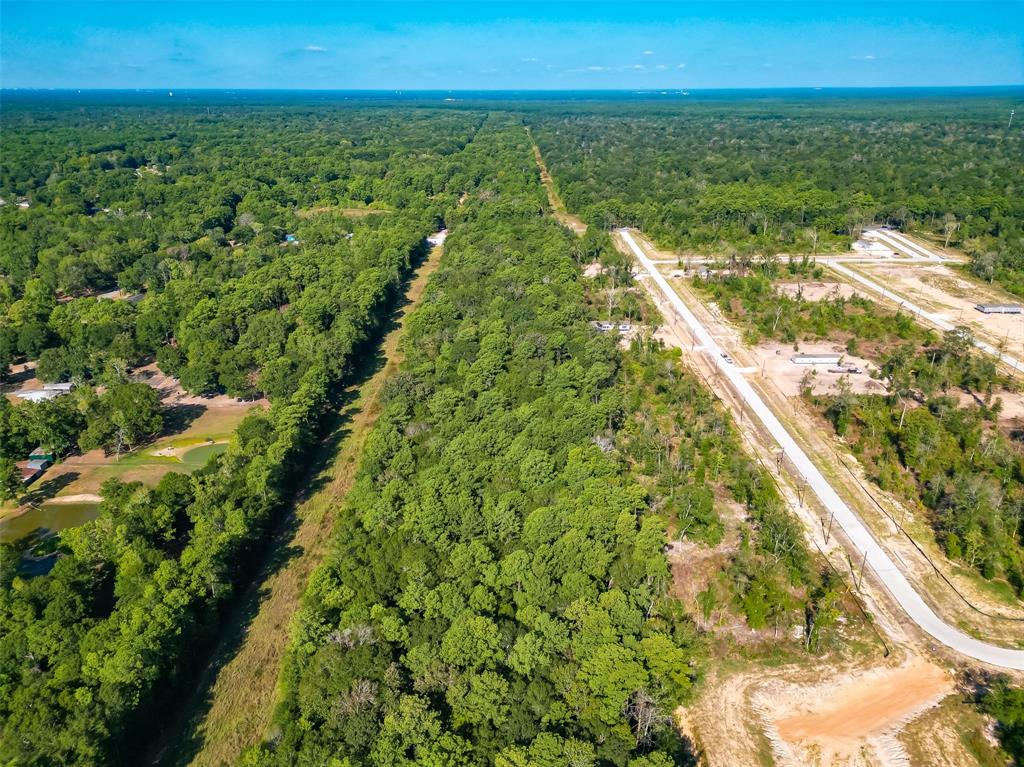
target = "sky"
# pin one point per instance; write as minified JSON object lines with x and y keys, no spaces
{"x":440,"y":46}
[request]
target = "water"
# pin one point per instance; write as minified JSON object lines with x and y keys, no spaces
{"x":49,"y":516}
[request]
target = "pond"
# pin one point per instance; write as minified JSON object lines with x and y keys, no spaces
{"x":49,"y":516}
{"x":197,"y":457}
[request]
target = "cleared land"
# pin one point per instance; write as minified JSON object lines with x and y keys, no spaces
{"x":339,"y":211}
{"x":234,"y":699}
{"x":563,"y":216}
{"x":195,"y":428}
{"x":863,"y":542}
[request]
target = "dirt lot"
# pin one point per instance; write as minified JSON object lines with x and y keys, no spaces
{"x":939,"y":288}
{"x":817,"y":291}
{"x":775,"y":360}
{"x":837,"y":721}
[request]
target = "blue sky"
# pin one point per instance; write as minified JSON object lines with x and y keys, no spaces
{"x":508,"y":45}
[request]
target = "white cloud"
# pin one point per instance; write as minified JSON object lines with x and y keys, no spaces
{"x":596,"y":69}
{"x":529,"y":59}
{"x":864,"y":57}
{"x":315,"y":49}
{"x":661,"y":66}
{"x":637,"y":66}
{"x":648,"y":53}
{"x":680,"y":66}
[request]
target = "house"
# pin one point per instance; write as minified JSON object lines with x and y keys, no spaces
{"x":816,"y":359}
{"x":29,"y":473}
{"x":40,"y":463}
{"x":998,"y":308}
{"x":63,"y":388}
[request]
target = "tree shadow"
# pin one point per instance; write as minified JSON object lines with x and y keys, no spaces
{"x":177,"y":418}
{"x":47,"y":489}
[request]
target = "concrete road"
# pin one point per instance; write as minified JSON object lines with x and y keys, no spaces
{"x":866,"y":548}
{"x":936,"y":319}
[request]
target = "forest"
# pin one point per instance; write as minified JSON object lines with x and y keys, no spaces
{"x":89,"y":652}
{"x":497,"y":592}
{"x":797,"y":176}
{"x":500,"y":586}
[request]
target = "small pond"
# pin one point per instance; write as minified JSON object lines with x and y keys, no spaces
{"x":49,"y":516}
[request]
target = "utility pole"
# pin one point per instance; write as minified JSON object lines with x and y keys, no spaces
{"x":863,"y":563}
{"x":1010,"y":121}
{"x":828,"y":532}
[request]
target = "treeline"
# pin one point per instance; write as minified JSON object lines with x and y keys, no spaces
{"x":796,"y":177}
{"x":91,"y":652}
{"x":88,"y":652}
{"x":949,"y":459}
{"x":754,"y":302}
{"x":496,"y":593}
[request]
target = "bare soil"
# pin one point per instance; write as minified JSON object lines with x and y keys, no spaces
{"x":941,"y":289}
{"x":817,"y":291}
{"x":775,"y":359}
{"x":832,"y":723}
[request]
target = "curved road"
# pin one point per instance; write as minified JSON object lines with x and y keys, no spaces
{"x":864,"y":543}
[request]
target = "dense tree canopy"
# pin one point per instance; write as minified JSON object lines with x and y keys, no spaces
{"x":797,"y":175}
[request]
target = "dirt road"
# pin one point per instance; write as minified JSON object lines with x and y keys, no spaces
{"x":234,"y":701}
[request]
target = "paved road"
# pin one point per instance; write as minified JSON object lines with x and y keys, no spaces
{"x":899,"y":241}
{"x":863,"y":542}
{"x":936,"y":319}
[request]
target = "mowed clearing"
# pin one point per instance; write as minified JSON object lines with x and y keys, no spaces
{"x":233,"y":702}
{"x":339,"y":211}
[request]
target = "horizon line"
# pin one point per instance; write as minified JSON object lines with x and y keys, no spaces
{"x":648,"y":89}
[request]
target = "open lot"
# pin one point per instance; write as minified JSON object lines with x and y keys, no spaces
{"x":774,"y":361}
{"x":195,"y":428}
{"x":830,"y":724}
{"x":817,"y":291}
{"x":942,"y":289}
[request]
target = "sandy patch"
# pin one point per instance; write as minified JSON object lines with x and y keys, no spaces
{"x":829,"y":724}
{"x":774,"y":361}
{"x":817,"y":291}
{"x":76,"y":498}
{"x":593,"y":269}
{"x":172,"y":451}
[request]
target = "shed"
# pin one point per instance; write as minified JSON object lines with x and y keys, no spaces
{"x":998,"y":308}
{"x":60,"y":387}
{"x":816,"y":359}
{"x":42,"y":454}
{"x":28,"y":472}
